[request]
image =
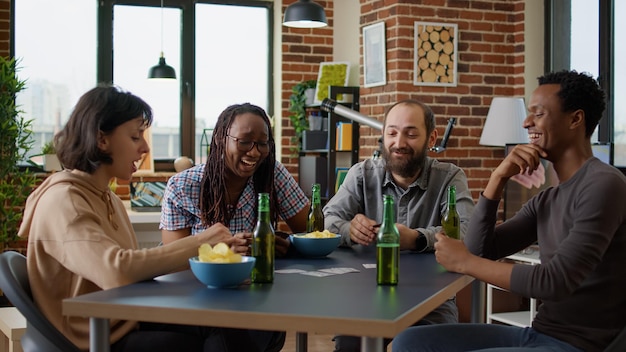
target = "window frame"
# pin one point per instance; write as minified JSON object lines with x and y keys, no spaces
{"x":187,"y":75}
{"x":557,"y":47}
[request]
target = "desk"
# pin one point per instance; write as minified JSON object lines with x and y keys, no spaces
{"x":348,"y":304}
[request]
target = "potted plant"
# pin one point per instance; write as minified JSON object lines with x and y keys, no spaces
{"x":297,"y":106}
{"x":50,"y":159}
{"x":16,"y":181}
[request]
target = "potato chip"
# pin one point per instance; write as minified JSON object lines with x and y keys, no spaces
{"x":221,"y":249}
{"x":220,"y":253}
{"x":318,"y":234}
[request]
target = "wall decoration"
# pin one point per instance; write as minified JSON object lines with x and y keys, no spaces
{"x":330,"y":74}
{"x":436,"y":56}
{"x":374,"y":55}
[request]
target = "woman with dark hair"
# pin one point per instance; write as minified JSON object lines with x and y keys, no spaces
{"x":241,"y":164}
{"x":80,"y":239}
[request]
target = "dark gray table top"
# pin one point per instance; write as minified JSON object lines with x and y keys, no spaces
{"x":347,"y":304}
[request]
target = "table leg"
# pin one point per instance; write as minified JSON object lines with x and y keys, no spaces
{"x":478,"y":302}
{"x":371,"y":344}
{"x":99,"y":335}
{"x":301,"y":341}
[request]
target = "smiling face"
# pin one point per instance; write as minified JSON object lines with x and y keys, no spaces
{"x":406,"y":140}
{"x":548,"y":126}
{"x":126,"y":145}
{"x":246,"y":128}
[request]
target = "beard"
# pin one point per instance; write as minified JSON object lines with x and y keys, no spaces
{"x":405,"y":167}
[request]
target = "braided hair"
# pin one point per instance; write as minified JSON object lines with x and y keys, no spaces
{"x":213,"y":203}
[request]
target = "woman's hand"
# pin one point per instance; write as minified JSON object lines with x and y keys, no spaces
{"x":242,"y":243}
{"x":215,"y":234}
{"x":282,"y":243}
{"x":451,"y":253}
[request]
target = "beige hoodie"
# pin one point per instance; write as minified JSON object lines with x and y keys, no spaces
{"x":80,"y":240}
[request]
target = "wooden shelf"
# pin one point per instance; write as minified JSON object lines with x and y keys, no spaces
{"x":331,"y":157}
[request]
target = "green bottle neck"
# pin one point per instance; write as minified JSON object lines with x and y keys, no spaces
{"x":316,"y":197}
{"x":389,"y":213}
{"x":264,"y":208}
{"x":452,"y":198}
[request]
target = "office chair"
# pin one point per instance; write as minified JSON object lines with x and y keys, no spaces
{"x":40,"y":334}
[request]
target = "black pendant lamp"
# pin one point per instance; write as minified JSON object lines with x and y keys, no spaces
{"x":162,"y":70}
{"x":305,"y":14}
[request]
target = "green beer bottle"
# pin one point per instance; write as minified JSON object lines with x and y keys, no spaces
{"x":263,"y":243}
{"x":451,"y":221}
{"x":388,"y":246}
{"x":315,"y":222}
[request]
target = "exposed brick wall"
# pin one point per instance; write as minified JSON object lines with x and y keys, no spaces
{"x":490,"y":63}
{"x":303,"y":50}
{"x":5,"y":26}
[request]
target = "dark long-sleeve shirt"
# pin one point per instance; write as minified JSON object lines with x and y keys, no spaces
{"x":580,"y":226}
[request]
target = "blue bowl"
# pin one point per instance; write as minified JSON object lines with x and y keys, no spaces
{"x":314,"y":247}
{"x":222,"y":275}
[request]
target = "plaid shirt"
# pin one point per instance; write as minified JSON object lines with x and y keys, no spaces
{"x":181,"y":205}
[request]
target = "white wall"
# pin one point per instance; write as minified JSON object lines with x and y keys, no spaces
{"x":346,"y":36}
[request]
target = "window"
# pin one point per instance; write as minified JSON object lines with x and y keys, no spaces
{"x":619,"y":75}
{"x":136,"y":48}
{"x":119,"y":40}
{"x":232,"y":61}
{"x":581,"y":35}
{"x":58,"y":63}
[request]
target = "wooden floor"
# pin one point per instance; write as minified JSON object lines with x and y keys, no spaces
{"x":316,"y":343}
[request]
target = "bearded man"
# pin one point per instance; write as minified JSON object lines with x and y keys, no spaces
{"x":418,"y":185}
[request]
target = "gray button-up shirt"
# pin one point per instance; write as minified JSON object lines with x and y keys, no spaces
{"x":418,"y":207}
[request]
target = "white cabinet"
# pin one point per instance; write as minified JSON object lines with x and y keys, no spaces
{"x":146,"y":226}
{"x":524,"y":318}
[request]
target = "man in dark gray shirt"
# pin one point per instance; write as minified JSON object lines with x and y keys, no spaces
{"x":418,"y":185}
{"x":580,"y":226}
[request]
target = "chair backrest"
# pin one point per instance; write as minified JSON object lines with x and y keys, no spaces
{"x":40,"y":334}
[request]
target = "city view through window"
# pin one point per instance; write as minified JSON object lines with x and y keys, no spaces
{"x":230,"y":68}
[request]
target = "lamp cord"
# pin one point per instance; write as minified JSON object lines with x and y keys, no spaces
{"x":161,"y":28}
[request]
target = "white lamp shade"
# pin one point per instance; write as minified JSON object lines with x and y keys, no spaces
{"x":504,"y":123}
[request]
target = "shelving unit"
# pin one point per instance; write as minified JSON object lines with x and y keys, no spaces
{"x":319,"y":165}
{"x":522,"y":318}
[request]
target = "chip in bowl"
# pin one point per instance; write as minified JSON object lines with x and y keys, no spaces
{"x":315,"y":244}
{"x":220,"y":253}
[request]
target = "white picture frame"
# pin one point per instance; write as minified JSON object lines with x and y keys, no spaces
{"x":374,"y":55}
{"x":435,"y":54}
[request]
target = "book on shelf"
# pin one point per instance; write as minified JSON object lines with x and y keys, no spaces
{"x":340,"y":175}
{"x":344,"y":136}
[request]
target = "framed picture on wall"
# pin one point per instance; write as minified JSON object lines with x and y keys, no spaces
{"x":436,"y":55}
{"x":330,"y":74}
{"x":374,"y":55}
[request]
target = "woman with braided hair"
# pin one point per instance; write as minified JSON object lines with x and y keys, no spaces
{"x":241,"y":164}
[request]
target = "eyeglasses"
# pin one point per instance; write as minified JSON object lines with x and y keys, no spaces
{"x":246,"y":146}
